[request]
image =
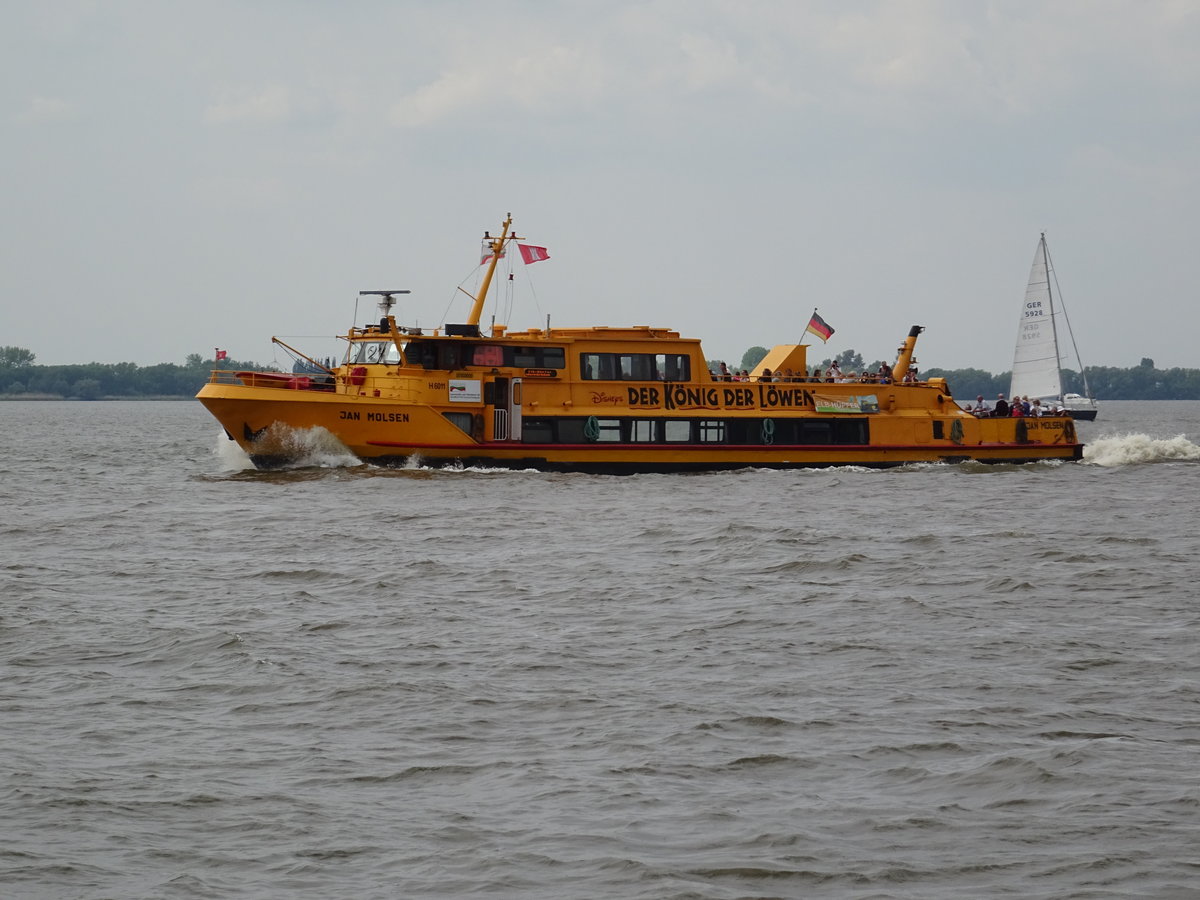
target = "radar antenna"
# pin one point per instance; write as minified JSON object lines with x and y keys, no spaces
{"x":386,"y":299}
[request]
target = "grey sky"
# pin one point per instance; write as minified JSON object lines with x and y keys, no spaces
{"x":180,"y":176}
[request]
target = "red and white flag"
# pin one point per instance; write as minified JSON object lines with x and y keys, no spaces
{"x":221,"y":354}
{"x":486,"y":252}
{"x":533,"y":254}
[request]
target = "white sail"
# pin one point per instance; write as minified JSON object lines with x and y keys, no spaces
{"x":1035,"y":371}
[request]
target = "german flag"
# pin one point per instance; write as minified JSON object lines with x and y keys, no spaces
{"x":818,"y":327}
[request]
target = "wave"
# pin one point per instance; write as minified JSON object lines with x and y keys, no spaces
{"x":1131,"y":449}
{"x":306,"y":448}
{"x":230,"y":456}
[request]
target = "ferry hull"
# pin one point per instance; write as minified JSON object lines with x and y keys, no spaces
{"x":268,"y":424}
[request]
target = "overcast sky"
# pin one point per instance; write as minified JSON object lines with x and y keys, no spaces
{"x":180,"y":176}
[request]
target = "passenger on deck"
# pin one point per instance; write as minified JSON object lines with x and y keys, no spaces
{"x":1001,"y":408}
{"x":981,"y":408}
{"x":723,"y":373}
{"x":766,"y":375}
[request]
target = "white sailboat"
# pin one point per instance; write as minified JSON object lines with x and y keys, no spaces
{"x":1037,"y":362}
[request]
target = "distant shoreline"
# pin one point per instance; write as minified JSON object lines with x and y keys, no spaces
{"x":19,"y":397}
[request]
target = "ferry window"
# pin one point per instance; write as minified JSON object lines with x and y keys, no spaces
{"x":642,"y":430}
{"x":451,"y":356}
{"x":488,"y":355}
{"x":459,"y":420}
{"x":570,"y":431}
{"x":785,"y":431}
{"x":815,"y":431}
{"x":421,"y":353}
{"x":597,"y":366}
{"x":739,"y":431}
{"x":609,"y":430}
{"x":676,"y":430}
{"x":375,"y":352}
{"x":640,"y":367}
{"x":850,"y":431}
{"x":538,"y":357}
{"x":672,"y":367}
{"x":712,"y":431}
{"x":537,"y":431}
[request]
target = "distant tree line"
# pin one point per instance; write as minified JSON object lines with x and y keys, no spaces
{"x":20,"y":376}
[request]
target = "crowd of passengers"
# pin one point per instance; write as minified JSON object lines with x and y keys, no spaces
{"x":1020,"y":406}
{"x":831,"y":375}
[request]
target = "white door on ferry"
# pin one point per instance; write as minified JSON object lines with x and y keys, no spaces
{"x":514,"y":410}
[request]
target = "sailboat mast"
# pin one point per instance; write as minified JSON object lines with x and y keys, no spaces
{"x":1053,"y":318}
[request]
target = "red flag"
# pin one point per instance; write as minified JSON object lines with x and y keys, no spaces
{"x":221,"y":354}
{"x":533,"y":254}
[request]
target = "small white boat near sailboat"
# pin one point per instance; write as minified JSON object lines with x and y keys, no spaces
{"x":1043,"y":329}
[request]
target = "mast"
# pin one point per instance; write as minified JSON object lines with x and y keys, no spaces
{"x":497,"y":249}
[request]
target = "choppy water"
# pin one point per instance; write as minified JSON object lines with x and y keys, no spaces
{"x":344,"y":682}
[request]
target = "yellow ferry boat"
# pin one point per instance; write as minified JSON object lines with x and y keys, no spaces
{"x":602,"y":399}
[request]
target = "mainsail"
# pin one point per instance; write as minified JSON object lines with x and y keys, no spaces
{"x":1035,"y":371}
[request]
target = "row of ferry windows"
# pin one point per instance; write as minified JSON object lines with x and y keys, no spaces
{"x":595,"y":429}
{"x":634,"y":367}
{"x":455,"y":355}
{"x":592,"y":366}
